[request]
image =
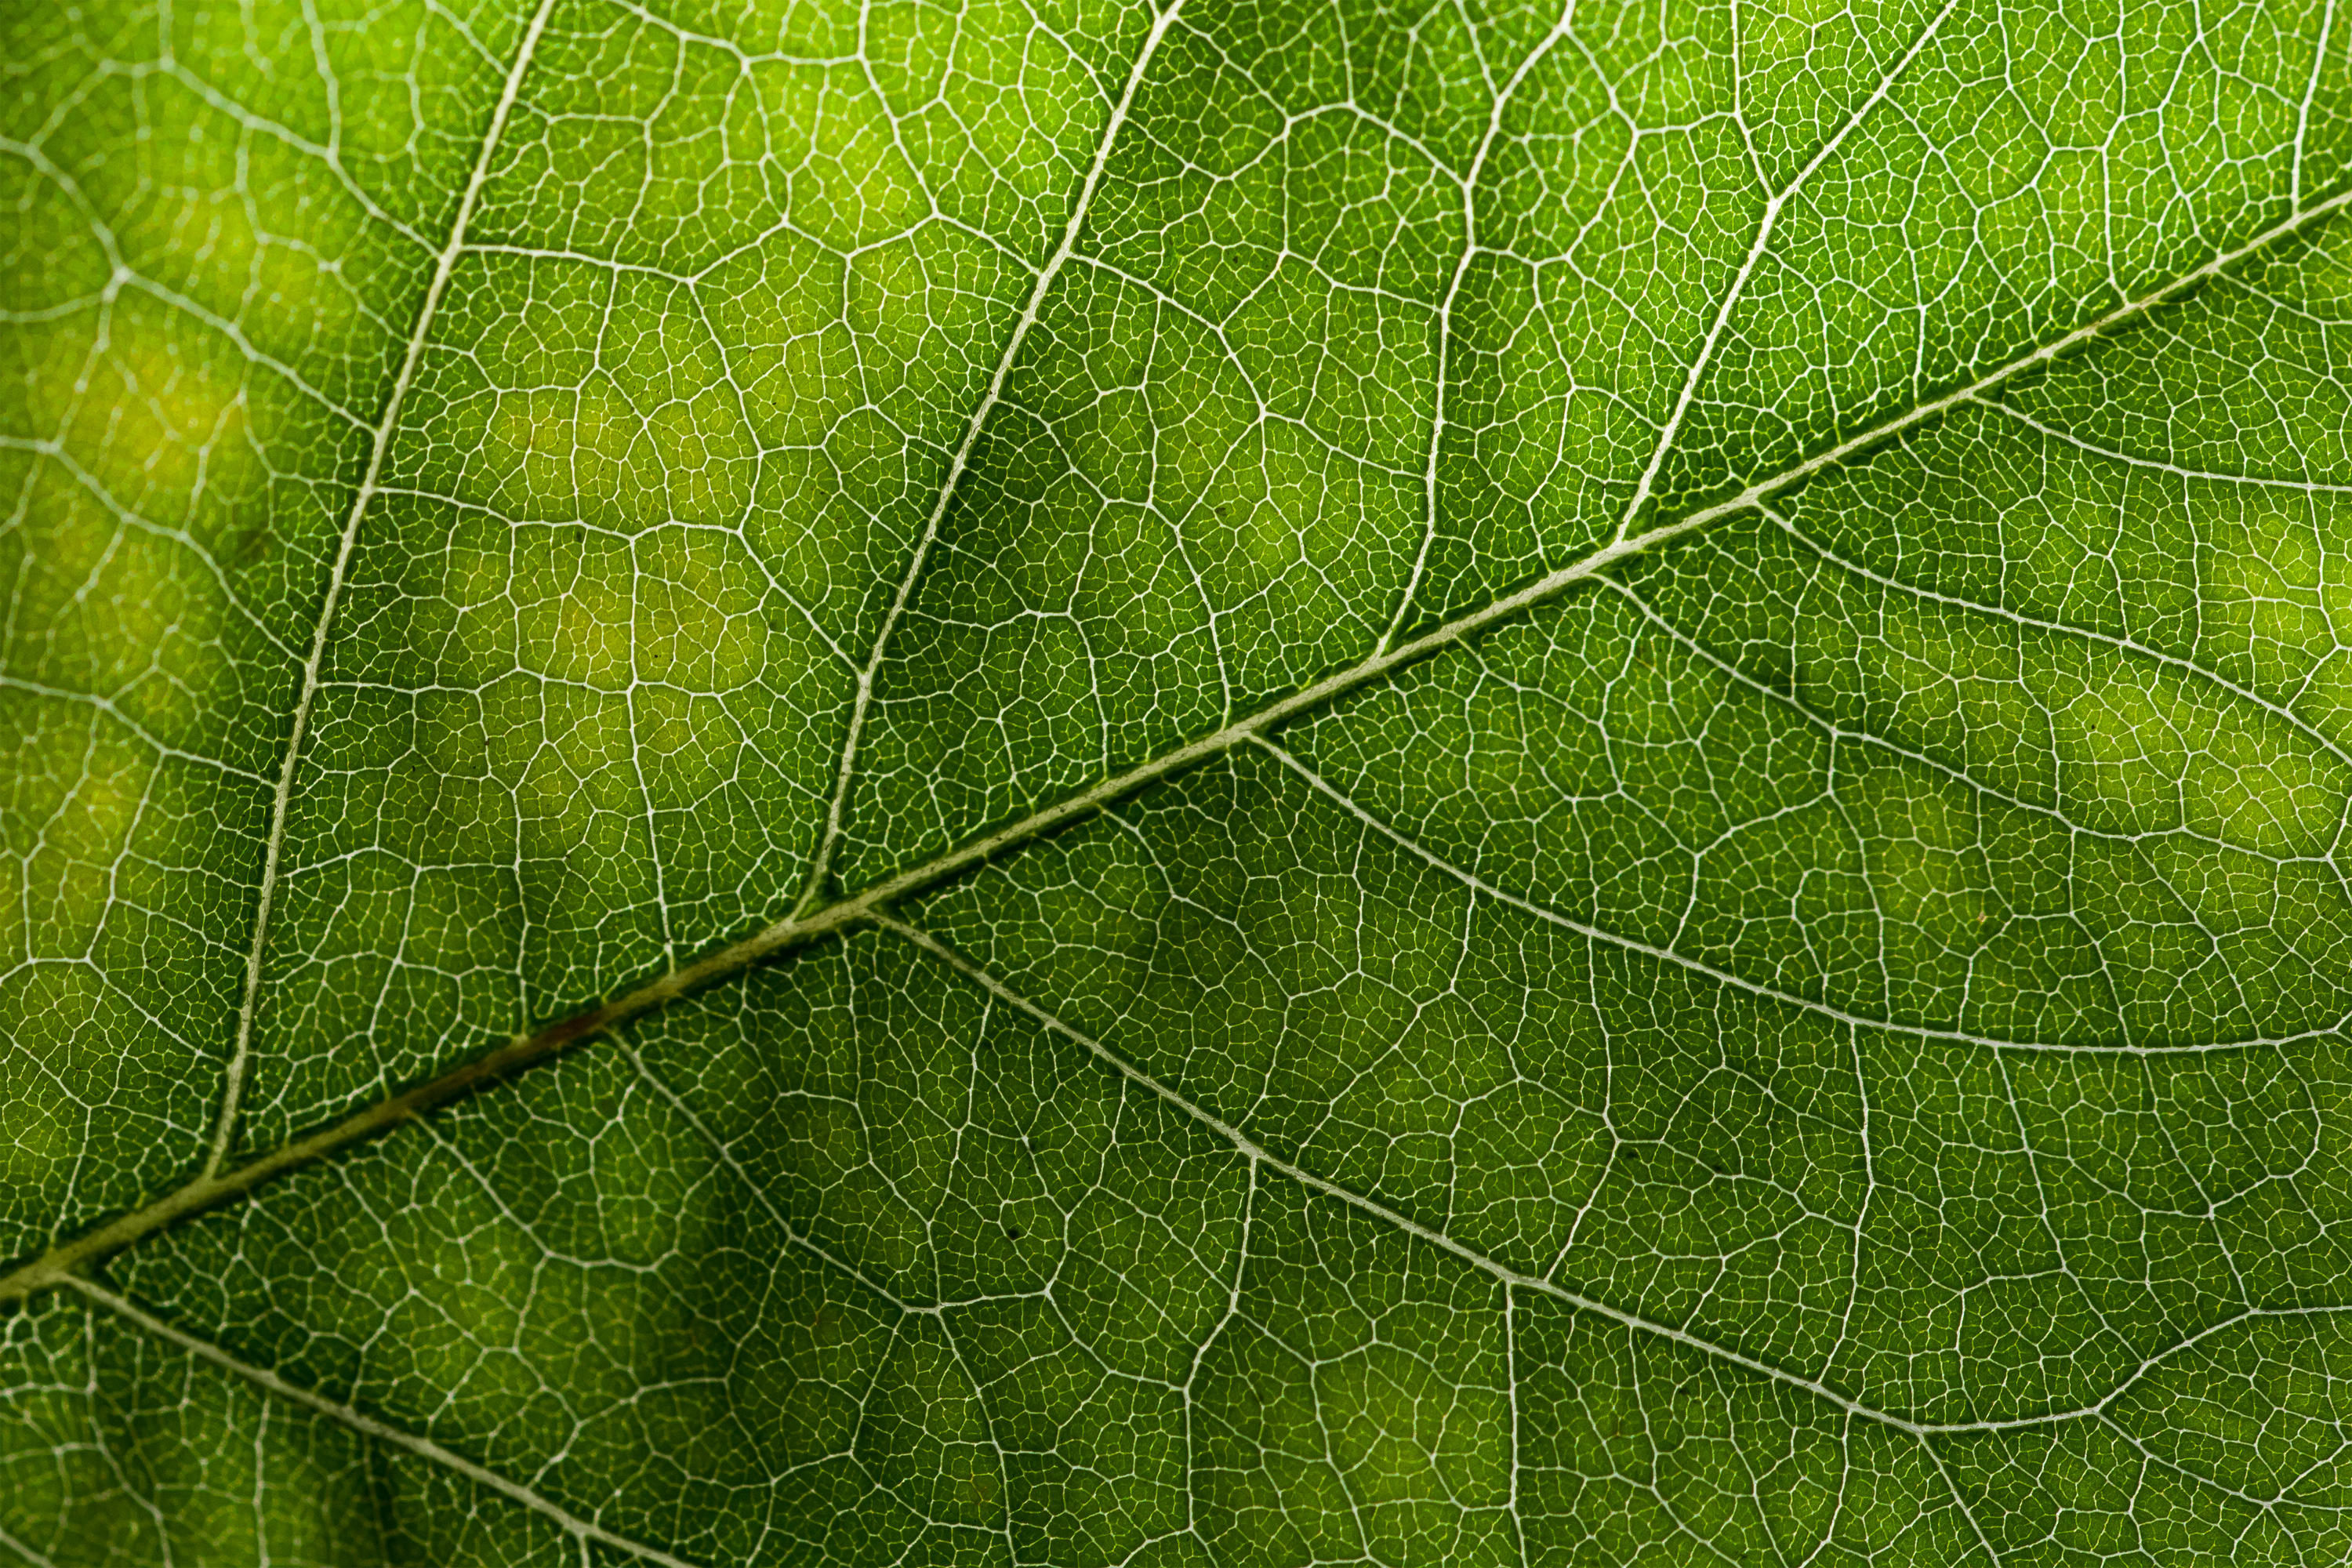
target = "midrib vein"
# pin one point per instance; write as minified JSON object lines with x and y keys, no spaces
{"x":274,"y":847}
{"x":213,"y":1187}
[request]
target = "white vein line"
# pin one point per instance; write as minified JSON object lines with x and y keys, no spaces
{"x":805,"y":923}
{"x":2204,"y":1482}
{"x":2212,"y":476}
{"x":130,"y":726}
{"x":1549,"y":585}
{"x":59,"y":453}
{"x":241,"y":1053}
{"x":821,"y":864}
{"x":1251,"y":1150}
{"x":123,"y":276}
{"x":1255,"y":1153}
{"x":1511,"y":1388}
{"x":235,"y":334}
{"x":1470,"y":248}
{"x":2311,"y":91}
{"x":726,"y":1156}
{"x":2283,"y":712}
{"x":1959,"y":1502}
{"x":870,"y":902}
{"x":1796,"y":703}
{"x":25,"y":1552}
{"x":359,"y":1421}
{"x":1479,"y":884}
{"x":1731,"y":297}
{"x":1820,"y":718}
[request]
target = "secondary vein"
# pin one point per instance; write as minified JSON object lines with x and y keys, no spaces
{"x":1517,"y":1280}
{"x":1720,"y":976}
{"x":821,"y":864}
{"x":273,"y":851}
{"x":1764,"y":226}
{"x":368,"y":1425}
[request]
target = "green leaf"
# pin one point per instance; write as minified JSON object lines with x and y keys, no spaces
{"x":1269,"y":783}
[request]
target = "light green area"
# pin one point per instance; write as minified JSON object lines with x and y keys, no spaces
{"x":1821,"y":1043}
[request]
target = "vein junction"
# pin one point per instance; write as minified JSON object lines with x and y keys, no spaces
{"x":64,"y":1263}
{"x":1083,"y":252}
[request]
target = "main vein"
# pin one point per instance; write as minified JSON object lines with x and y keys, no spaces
{"x":273,"y":852}
{"x":213,"y":1187}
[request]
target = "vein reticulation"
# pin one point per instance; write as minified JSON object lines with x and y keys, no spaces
{"x":1778,"y":998}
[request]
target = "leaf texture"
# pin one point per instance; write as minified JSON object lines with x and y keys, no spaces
{"x":1067,"y":783}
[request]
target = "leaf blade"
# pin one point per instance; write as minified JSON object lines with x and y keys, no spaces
{"x":1982,"y":1067}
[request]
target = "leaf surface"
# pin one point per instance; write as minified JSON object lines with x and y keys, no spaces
{"x":1073,"y":784}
